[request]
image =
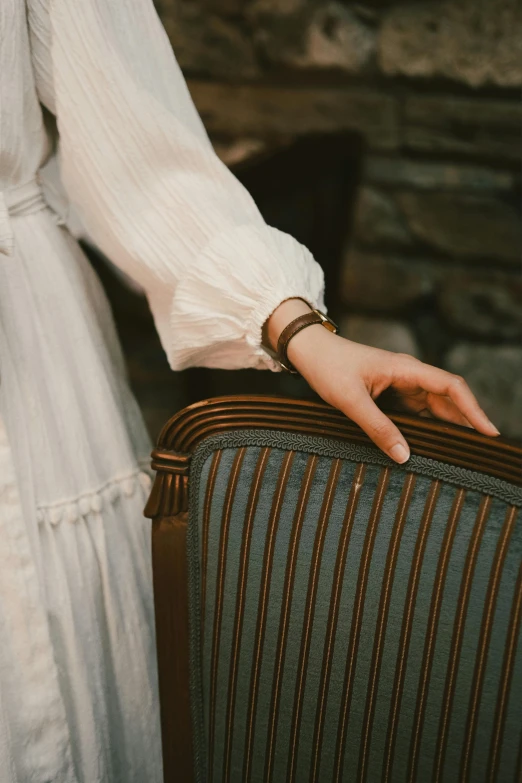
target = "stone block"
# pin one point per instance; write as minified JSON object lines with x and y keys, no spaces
{"x":387,"y":334}
{"x":478,"y":127}
{"x":400,"y":172}
{"x":494,"y":373}
{"x":207,"y":44}
{"x":378,"y":220}
{"x":481,"y":303}
{"x":337,"y":38}
{"x":475,"y":43}
{"x":329,"y":36}
{"x":262,"y":111}
{"x":386,"y":283}
{"x":473,"y":301}
{"x":464,"y":226}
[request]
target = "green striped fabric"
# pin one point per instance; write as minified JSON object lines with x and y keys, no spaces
{"x":352,"y":620}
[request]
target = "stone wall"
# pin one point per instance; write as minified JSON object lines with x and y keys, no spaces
{"x":432,"y":263}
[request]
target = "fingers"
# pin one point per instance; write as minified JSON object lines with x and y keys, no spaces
{"x":443,"y":383}
{"x":362,"y":409}
{"x":433,"y":405}
{"x":444,"y":408}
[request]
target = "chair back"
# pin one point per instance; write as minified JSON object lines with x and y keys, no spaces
{"x":325,"y":615}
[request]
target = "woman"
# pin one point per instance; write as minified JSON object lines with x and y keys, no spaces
{"x":78,"y":700}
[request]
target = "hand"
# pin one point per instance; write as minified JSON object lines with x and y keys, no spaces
{"x":350,"y":376}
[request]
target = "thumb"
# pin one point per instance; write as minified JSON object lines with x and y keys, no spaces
{"x":363,"y":410}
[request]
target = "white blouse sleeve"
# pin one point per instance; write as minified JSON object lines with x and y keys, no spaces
{"x":139,"y":168}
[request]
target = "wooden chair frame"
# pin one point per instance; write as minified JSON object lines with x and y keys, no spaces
{"x":168,"y":508}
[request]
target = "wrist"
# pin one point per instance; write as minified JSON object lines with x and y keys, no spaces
{"x":306,"y":346}
{"x":281,"y":317}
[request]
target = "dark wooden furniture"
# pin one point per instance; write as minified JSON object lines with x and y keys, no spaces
{"x":473,"y":475}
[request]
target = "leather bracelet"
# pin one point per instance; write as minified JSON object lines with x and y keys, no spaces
{"x":293,"y":328}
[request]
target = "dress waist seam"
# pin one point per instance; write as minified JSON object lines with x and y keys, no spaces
{"x":18,"y":201}
{"x":24,"y":199}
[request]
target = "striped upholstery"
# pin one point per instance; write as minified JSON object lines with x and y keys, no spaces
{"x":351,"y":619}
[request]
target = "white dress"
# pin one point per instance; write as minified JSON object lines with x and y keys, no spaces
{"x":78,"y":697}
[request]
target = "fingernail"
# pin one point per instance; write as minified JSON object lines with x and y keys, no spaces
{"x":493,"y":427}
{"x":399,"y":453}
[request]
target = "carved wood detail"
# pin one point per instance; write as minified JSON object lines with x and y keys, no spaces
{"x":427,"y":437}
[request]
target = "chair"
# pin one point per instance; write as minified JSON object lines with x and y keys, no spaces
{"x":325,"y":615}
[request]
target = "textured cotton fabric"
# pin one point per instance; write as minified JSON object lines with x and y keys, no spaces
{"x":78,"y":692}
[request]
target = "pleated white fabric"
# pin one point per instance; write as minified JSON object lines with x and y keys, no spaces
{"x":78,"y":691}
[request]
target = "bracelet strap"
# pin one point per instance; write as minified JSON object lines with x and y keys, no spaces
{"x":295,"y":326}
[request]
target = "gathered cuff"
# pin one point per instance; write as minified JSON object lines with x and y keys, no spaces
{"x":216,"y":316}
